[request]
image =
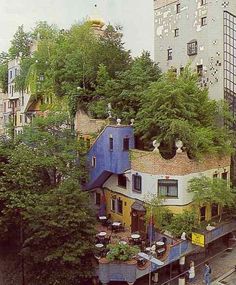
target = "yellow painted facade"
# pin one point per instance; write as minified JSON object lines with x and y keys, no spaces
{"x":179,"y":209}
{"x":125,"y":217}
{"x":127,"y":202}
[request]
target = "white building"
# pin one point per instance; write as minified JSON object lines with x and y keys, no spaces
{"x":151,"y":175}
{"x":202,"y":33}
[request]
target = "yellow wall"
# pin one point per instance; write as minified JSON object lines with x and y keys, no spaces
{"x":180,"y":209}
{"x":125,"y":218}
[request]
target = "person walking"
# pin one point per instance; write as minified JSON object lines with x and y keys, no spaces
{"x":207,"y":274}
{"x":191,"y":272}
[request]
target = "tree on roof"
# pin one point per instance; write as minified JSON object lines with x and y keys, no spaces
{"x":175,"y":107}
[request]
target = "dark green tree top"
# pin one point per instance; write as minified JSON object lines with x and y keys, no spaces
{"x":175,"y":107}
{"x":19,"y":44}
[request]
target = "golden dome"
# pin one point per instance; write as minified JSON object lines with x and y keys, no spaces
{"x":95,"y":19}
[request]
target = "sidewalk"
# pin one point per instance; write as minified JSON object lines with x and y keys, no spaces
{"x":221,"y":264}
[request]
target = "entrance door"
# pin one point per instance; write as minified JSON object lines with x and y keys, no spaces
{"x":137,"y":222}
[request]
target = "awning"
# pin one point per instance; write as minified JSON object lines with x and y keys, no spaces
{"x":138,"y":206}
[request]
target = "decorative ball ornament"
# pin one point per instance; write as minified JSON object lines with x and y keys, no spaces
{"x":109,"y":114}
{"x":118,"y":122}
{"x":156,"y":145}
{"x":132,"y":122}
{"x":179,"y":145}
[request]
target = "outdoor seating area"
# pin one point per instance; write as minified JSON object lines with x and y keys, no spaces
{"x":114,"y":232}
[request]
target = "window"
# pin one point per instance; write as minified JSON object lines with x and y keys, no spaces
{"x":169,"y":54}
{"x":137,"y":183}
{"x":203,"y":21}
{"x":16,"y":72}
{"x":192,"y":47}
{"x":176,"y":32}
{"x":177,"y":8}
{"x":111,"y":144}
{"x":113,"y":204}
{"x":200,"y":70}
{"x":9,"y":104}
{"x":22,"y":100}
{"x":98,"y":199}
{"x":215,"y":175}
{"x":119,"y":206}
{"x":224,"y":175}
{"x":20,"y":118}
{"x":174,"y":70}
{"x":168,"y":187}
{"x":10,"y":74}
{"x":94,"y":161}
{"x":214,"y":210}
{"x":202,"y":213}
{"x":12,"y":90}
{"x":122,"y":180}
{"x":203,"y":2}
{"x":4,"y":107}
{"x":126,"y":144}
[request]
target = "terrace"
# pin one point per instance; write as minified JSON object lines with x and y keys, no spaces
{"x":162,"y":247}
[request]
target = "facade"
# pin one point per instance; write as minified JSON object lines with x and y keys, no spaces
{"x":1,"y":113}
{"x":121,"y":178}
{"x":17,"y":100}
{"x":126,"y":177}
{"x":201,"y":33}
{"x":19,"y":107}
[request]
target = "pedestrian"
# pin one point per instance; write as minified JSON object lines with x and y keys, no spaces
{"x":207,"y":273}
{"x":191,"y":272}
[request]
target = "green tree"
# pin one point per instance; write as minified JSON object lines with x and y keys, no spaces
{"x":112,"y":52}
{"x":158,"y":212}
{"x":60,"y":236}
{"x":207,"y":191}
{"x":41,"y":197}
{"x":183,"y":222}
{"x":4,"y":72}
{"x":125,"y":92}
{"x":19,"y":44}
{"x":175,"y":107}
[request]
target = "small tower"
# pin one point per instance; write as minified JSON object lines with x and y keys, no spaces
{"x":97,"y":21}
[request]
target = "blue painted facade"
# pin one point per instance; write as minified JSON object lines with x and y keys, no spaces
{"x":104,"y":160}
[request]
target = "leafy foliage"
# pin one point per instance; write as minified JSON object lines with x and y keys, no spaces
{"x":156,"y":210}
{"x":124,"y":93}
{"x":177,"y":108}
{"x":40,"y":195}
{"x":60,"y":234}
{"x":209,"y":191}
{"x":19,"y":44}
{"x":4,"y":72}
{"x":121,"y":252}
{"x":183,"y":222}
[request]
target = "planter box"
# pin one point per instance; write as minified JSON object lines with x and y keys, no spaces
{"x":117,"y":271}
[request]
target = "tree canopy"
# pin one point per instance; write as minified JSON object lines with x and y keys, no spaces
{"x":20,"y":44}
{"x":175,"y":107}
{"x":211,"y":191}
{"x":41,"y":195}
